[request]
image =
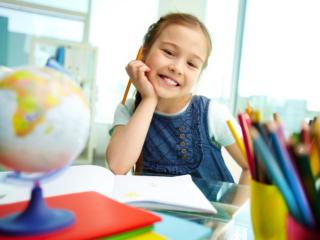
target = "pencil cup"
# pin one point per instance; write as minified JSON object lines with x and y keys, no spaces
{"x":268,"y":211}
{"x":296,"y":230}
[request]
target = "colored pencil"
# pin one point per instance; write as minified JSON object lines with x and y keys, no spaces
{"x":291,"y":176}
{"x":315,"y":159}
{"x":315,"y":147}
{"x":247,"y":144}
{"x":275,"y":173}
{"x":280,"y":131}
{"x":309,"y":182}
{"x":236,"y":137}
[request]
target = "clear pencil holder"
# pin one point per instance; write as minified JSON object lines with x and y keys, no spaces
{"x":268,"y":211}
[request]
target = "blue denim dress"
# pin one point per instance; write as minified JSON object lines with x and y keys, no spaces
{"x":180,"y":144}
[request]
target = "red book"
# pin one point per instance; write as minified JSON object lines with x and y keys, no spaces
{"x":96,"y":216}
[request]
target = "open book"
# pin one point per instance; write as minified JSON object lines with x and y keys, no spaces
{"x":152,"y":192}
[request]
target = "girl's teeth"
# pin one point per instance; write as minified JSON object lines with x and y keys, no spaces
{"x":170,"y":81}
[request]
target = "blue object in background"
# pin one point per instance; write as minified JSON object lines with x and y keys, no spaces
{"x":60,"y":55}
{"x":52,"y":63}
{"x":4,"y":40}
{"x":57,"y":62}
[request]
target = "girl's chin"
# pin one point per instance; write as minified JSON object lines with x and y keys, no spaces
{"x":165,"y":93}
{"x":169,"y":96}
{"x":166,"y":88}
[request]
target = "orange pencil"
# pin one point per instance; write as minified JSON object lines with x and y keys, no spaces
{"x":124,"y":98}
{"x":248,"y":109}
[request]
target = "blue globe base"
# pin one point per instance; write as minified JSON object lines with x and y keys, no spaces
{"x":37,"y":218}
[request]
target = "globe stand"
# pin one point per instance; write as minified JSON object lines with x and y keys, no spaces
{"x":36,"y":218}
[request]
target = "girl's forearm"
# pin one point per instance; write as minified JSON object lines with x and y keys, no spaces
{"x":127,"y":141}
{"x":244,"y":177}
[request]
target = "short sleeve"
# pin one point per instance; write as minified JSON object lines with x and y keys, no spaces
{"x":122,"y":114}
{"x":218,"y":115}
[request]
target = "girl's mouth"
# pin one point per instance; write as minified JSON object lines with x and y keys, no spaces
{"x":169,"y":81}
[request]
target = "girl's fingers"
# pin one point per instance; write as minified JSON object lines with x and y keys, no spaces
{"x":134,"y":69}
{"x":143,"y":69}
{"x":141,"y":73}
{"x":137,"y":71}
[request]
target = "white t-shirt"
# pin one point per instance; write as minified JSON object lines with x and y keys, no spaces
{"x":218,"y":114}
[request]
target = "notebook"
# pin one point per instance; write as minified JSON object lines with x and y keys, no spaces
{"x":96,"y":216}
{"x":152,"y":192}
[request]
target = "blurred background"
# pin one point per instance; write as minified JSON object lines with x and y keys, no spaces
{"x":264,"y":52}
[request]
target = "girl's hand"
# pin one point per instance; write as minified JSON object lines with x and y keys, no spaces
{"x":137,"y":71}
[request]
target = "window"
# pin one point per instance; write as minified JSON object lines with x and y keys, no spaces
{"x":221,"y":18}
{"x":79,"y":5}
{"x":44,"y":26}
{"x":280,"y":60}
{"x":117,"y":29}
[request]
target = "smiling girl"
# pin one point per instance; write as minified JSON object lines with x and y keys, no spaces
{"x":167,"y":130}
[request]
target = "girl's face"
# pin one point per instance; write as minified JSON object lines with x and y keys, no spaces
{"x":176,"y":59}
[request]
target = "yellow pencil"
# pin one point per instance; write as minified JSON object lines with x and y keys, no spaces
{"x":315,"y":148}
{"x":236,"y":137}
{"x":315,"y":159}
{"x":124,"y":98}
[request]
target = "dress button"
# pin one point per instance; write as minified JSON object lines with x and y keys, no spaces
{"x":184,"y":156}
{"x":182,"y":135}
{"x":183,"y":150}
{"x":181,"y":128}
{"x":182,"y":144}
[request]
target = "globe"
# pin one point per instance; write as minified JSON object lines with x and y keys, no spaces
{"x":44,"y":125}
{"x":44,"y":119}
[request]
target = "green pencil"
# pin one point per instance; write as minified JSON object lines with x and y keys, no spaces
{"x":308,"y":180}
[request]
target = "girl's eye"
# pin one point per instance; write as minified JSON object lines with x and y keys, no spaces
{"x":191,"y":64}
{"x":168,"y":52}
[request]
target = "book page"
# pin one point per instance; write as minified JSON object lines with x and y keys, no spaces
{"x":80,"y":178}
{"x":158,"y":192}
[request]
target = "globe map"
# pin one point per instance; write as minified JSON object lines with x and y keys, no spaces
{"x":44,"y":119}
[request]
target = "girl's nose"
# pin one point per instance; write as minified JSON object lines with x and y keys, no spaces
{"x":175,"y":69}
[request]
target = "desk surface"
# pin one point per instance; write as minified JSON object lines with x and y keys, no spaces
{"x":232,"y":202}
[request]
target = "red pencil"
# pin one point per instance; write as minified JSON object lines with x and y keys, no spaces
{"x":247,"y":143}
